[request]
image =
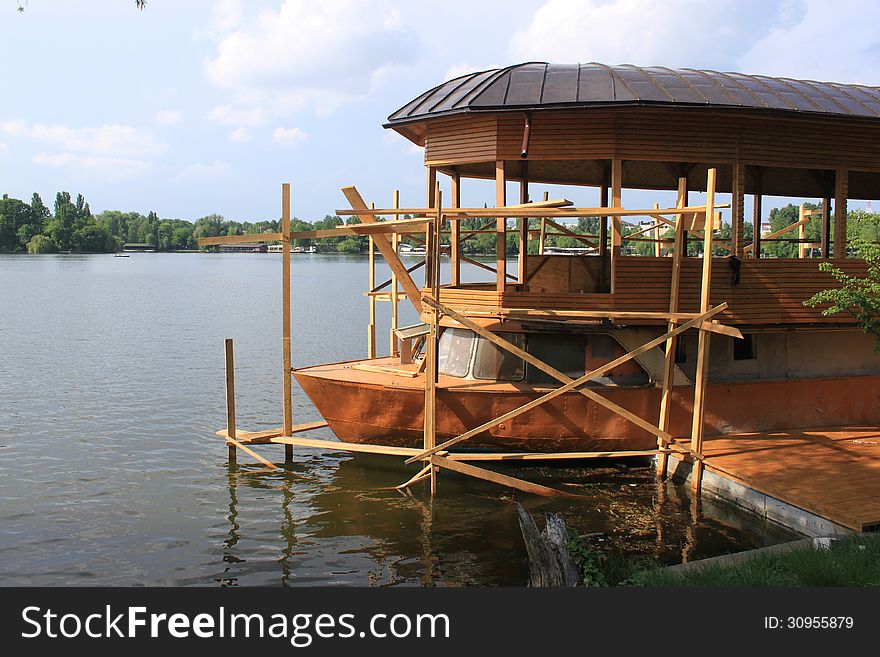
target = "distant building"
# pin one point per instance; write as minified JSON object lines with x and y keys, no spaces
{"x":142,"y":247}
{"x":245,"y":247}
{"x":765,"y":228}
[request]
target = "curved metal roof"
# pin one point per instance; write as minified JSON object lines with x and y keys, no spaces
{"x":539,"y":85}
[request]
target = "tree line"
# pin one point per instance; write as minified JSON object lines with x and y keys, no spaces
{"x":71,"y":226}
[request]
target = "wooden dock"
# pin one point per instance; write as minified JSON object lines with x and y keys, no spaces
{"x":832,"y":472}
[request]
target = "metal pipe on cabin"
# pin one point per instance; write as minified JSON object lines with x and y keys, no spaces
{"x":527,"y":133}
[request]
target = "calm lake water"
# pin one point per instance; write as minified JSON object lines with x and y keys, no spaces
{"x":111,"y":389}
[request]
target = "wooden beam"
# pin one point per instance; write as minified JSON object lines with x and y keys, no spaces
{"x":570,"y":233}
{"x":826,"y":227}
{"x":239,"y":239}
{"x":500,"y":479}
{"x":455,"y":230}
{"x":500,"y":227}
{"x":757,"y":215}
{"x":264,"y":436}
{"x":803,"y":220}
{"x":616,"y":201}
{"x":703,"y":339}
{"x":604,"y":263}
{"x":421,"y":474}
{"x":234,"y":443}
{"x":841,"y":190}
{"x":543,"y":234}
{"x":286,"y":389}
{"x":393,"y":348}
{"x":522,"y":267}
{"x":671,"y":344}
{"x":532,"y":210}
{"x":371,"y":325}
{"x":316,"y":443}
{"x":385,"y":248}
{"x":230,"y":397}
{"x":571,"y":384}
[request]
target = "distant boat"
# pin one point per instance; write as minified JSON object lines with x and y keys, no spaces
{"x":121,"y":255}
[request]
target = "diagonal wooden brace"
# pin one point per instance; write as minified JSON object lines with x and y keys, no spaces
{"x":570,"y":384}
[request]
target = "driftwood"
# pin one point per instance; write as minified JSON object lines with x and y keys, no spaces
{"x":550,"y":563}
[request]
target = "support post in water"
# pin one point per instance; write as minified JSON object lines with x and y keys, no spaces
{"x":230,"y":399}
{"x":287,"y":402}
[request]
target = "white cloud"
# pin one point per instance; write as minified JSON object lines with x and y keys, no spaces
{"x":226,"y":15}
{"x":675,"y":33}
{"x":3,"y":148}
{"x":200,"y":172}
{"x":309,"y":54}
{"x":13,"y":128}
{"x":240,"y":136}
{"x":463,"y":68}
{"x":229,"y":115}
{"x":169,"y":117}
{"x":288,"y":136}
{"x":107,"y":140}
{"x":803,"y":50}
{"x":107,"y":168}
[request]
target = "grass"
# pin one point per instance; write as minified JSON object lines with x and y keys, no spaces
{"x":852,"y":561}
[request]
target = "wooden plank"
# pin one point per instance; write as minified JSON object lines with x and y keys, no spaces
{"x":570,"y":385}
{"x":262,"y":437}
{"x":703,"y":339}
{"x":230,"y":397}
{"x":421,"y":474}
{"x":738,"y":189}
{"x":393,"y":345}
{"x":455,"y":232}
{"x":382,"y":227}
{"x":616,"y":201}
{"x":286,"y":390}
{"x":550,"y":456}
{"x":500,"y":227}
{"x":841,"y":187}
{"x":316,"y":443}
{"x":371,"y":273}
{"x":239,"y":239}
{"x":234,"y":443}
{"x":669,"y":355}
{"x":500,"y":479}
{"x":391,"y":259}
{"x":532,"y":210}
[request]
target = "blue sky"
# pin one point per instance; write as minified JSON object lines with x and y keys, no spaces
{"x":194,"y":107}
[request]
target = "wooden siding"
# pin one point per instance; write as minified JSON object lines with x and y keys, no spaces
{"x":455,"y":140}
{"x":770,"y":292}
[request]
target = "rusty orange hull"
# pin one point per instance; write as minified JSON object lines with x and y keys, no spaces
{"x":370,"y":408}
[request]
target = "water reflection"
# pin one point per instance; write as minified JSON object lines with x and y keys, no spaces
{"x":370,"y":534}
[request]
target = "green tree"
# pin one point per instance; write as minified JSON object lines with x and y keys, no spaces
{"x":41,"y":244}
{"x":18,"y":224}
{"x":858,"y":297}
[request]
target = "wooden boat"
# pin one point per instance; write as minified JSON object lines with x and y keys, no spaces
{"x":613,"y":128}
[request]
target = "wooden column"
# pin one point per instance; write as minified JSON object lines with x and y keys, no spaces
{"x":671,"y":343}
{"x":371,"y":326}
{"x":802,"y":231}
{"x":500,"y":226}
{"x":395,"y":298}
{"x":523,"y":224}
{"x":230,"y":399}
{"x":455,"y":230}
{"x":605,"y":271}
{"x":430,"y":420}
{"x":616,"y":194}
{"x":657,"y":245}
{"x":543,"y":234}
{"x":286,"y":391}
{"x":703,"y":341}
{"x":841,"y":190}
{"x":757,"y":213}
{"x":826,"y":227}
{"x":737,"y":199}
{"x":432,"y":190}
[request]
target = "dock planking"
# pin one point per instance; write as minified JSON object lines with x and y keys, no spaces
{"x":833,"y":472}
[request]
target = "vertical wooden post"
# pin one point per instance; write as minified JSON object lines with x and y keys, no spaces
{"x":841,"y":190}
{"x":455,"y":230}
{"x":737,"y":202}
{"x":671,"y":343}
{"x":522,"y":267}
{"x":395,"y":299}
{"x":371,"y":327}
{"x":230,"y":399}
{"x":605,"y":270}
{"x":286,"y":391}
{"x":802,"y":232}
{"x":500,"y":227}
{"x":432,"y":189}
{"x":757,"y":214}
{"x":430,"y":422}
{"x":616,"y":194}
{"x":657,"y":245}
{"x":826,"y":227}
{"x":703,"y":343}
{"x":543,"y":234}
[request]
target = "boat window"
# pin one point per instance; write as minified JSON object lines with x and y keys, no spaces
{"x":454,"y":351}
{"x":744,"y":349}
{"x":565,"y":352}
{"x":496,"y":364}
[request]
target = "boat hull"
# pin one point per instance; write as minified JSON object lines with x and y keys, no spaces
{"x":387,"y":412}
